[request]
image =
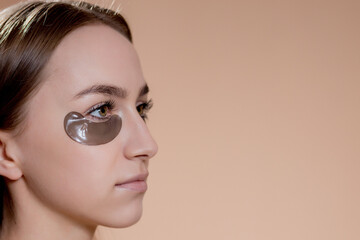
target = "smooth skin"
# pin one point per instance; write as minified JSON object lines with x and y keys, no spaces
{"x":63,"y":189}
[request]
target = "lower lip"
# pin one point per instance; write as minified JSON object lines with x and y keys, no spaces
{"x":137,"y":186}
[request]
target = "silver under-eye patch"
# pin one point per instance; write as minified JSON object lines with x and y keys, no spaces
{"x":84,"y":131}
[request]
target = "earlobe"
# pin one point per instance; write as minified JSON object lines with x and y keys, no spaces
{"x":8,"y":165}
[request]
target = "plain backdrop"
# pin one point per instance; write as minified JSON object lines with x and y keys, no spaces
{"x":257,"y":117}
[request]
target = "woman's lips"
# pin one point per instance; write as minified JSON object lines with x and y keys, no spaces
{"x":135,"y":183}
{"x":138,"y":186}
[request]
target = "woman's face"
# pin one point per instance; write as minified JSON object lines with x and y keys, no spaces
{"x":86,"y":182}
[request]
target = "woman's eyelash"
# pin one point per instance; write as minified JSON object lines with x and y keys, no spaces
{"x":144,"y":108}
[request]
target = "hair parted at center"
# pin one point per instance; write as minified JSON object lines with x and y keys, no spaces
{"x":29,"y":34}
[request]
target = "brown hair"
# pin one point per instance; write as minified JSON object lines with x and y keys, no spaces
{"x":29,"y":33}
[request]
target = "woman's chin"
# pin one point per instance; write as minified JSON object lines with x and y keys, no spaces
{"x":125,"y":218}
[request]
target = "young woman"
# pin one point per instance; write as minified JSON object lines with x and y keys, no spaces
{"x":74,"y":145}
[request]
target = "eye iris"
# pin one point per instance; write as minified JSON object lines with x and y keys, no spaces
{"x":140,"y":109}
{"x":103,"y":111}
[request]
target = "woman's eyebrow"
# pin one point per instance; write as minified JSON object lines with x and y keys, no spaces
{"x":144,"y":90}
{"x":110,"y":90}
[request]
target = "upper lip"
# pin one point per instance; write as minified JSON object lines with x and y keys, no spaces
{"x":134,"y":178}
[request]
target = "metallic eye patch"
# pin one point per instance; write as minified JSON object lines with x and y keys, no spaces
{"x":84,"y":131}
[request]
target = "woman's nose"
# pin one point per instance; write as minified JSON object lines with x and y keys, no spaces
{"x":138,"y":141}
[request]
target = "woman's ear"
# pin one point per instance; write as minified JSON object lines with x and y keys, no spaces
{"x":8,"y":165}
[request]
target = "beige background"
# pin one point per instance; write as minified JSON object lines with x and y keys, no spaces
{"x":256,"y":115}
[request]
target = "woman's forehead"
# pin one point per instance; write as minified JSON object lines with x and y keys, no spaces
{"x":94,"y":54}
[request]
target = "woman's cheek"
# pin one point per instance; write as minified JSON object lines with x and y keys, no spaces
{"x":63,"y":170}
{"x":71,"y":180}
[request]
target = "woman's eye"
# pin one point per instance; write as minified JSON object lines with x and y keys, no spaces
{"x":100,"y":112}
{"x":144,"y":108}
{"x":140,"y":109}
